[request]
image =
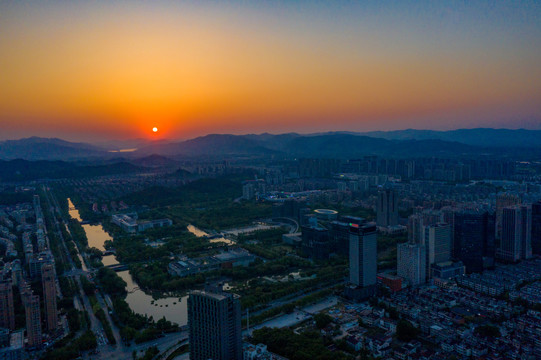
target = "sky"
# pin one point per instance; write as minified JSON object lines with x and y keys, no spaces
{"x":100,"y":70}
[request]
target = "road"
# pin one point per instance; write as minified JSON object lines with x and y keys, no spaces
{"x":164,"y":344}
{"x":296,"y":316}
{"x":294,"y":297}
{"x":55,"y":212}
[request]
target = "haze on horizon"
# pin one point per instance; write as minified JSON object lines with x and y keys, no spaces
{"x":116,"y":69}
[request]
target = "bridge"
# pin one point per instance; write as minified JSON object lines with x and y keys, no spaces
{"x":117,"y":267}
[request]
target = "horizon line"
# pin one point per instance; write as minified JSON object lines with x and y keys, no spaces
{"x":258,"y":134}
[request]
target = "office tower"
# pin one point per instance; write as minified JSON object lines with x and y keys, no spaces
{"x":438,"y":243}
{"x":515,"y":242}
{"x":415,"y":225}
{"x":315,"y":242}
{"x":473,"y":241}
{"x":411,"y":262}
{"x":248,"y":191}
{"x":7,"y":311}
{"x":49,"y":296}
{"x":16,"y":272}
{"x":431,"y":217}
{"x":362,"y":254}
{"x":339,"y":233}
{"x":387,"y":206}
{"x":33,"y":317}
{"x":536,"y":228}
{"x":214,"y":325}
{"x":503,"y":200}
{"x":36,"y":262}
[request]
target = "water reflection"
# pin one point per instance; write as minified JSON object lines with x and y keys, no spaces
{"x":96,"y":236}
{"x":173,"y":308}
{"x":200,"y":233}
{"x":109,"y":260}
{"x":74,"y":213}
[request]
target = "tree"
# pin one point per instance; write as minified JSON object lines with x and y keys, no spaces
{"x":322,"y":320}
{"x":405,"y":331}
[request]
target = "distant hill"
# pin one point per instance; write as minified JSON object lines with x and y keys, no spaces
{"x":36,"y":148}
{"x":483,"y":137}
{"x":210,"y":145}
{"x":403,"y":143}
{"x":24,"y":170}
{"x":335,"y":145}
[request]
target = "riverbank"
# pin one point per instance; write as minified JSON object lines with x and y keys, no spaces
{"x":172,"y":308}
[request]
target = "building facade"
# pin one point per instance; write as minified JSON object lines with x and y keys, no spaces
{"x":536,"y":228}
{"x":49,"y":296}
{"x":438,"y":244}
{"x":515,"y":242}
{"x":363,"y":255}
{"x":214,"y":320}
{"x":473,"y":241}
{"x":411,"y":263}
{"x":33,"y":318}
{"x":387,"y":207}
{"x":315,"y":242}
{"x":7,"y":311}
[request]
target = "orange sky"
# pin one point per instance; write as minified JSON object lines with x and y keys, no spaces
{"x":111,"y":70}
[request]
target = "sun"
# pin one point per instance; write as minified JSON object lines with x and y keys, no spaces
{"x":154,"y":129}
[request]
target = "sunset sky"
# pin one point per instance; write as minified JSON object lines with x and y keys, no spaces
{"x":89,"y":70}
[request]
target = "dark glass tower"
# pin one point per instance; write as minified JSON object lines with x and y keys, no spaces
{"x":536,"y":228}
{"x":214,"y":320}
{"x":474,"y":239}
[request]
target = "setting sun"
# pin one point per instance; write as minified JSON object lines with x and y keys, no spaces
{"x":155,"y":129}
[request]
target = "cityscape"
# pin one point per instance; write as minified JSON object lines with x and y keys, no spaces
{"x":270,"y":180}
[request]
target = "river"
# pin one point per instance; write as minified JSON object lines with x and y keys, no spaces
{"x":200,"y":233}
{"x":173,"y":308}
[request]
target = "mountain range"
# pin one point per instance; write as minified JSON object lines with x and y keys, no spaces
{"x":402,"y":143}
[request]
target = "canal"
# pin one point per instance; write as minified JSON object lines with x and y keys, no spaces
{"x":173,"y":308}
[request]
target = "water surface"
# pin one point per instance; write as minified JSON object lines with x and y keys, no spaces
{"x":173,"y":308}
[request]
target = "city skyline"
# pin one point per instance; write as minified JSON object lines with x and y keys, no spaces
{"x":116,"y":70}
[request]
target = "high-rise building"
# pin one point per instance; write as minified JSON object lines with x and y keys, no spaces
{"x":515,"y":242}
{"x":431,"y":217}
{"x":415,"y":224}
{"x":387,"y":206}
{"x":339,"y":233}
{"x":536,"y":228}
{"x":341,"y":186}
{"x":49,"y":296}
{"x":36,"y":262}
{"x":7,"y":311}
{"x":33,"y":317}
{"x":214,"y":321}
{"x":503,"y":200}
{"x":248,"y":191}
{"x":363,"y":254}
{"x":473,"y":241}
{"x":315,"y":242}
{"x":411,"y":262}
{"x":438,"y":244}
